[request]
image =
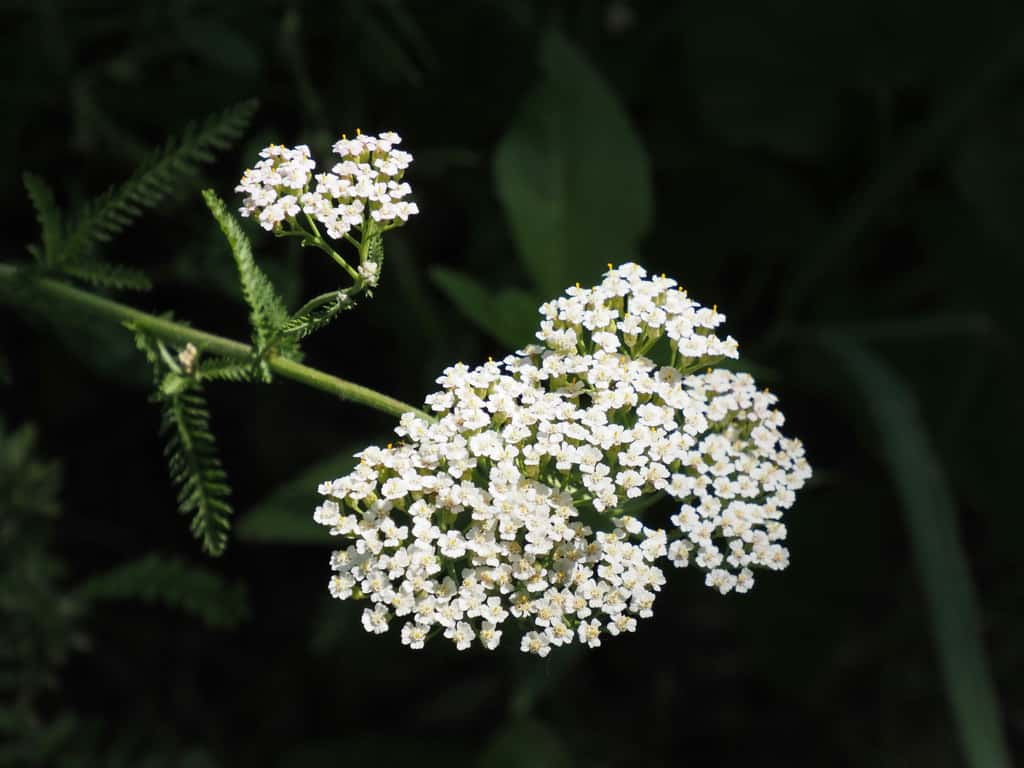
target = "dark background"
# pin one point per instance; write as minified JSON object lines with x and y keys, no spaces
{"x":832,"y":176}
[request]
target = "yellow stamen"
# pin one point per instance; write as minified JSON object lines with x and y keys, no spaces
{"x":709,"y":370}
{"x":389,"y":446}
{"x":610,"y":267}
{"x":577,"y":285}
{"x":714,"y":307}
{"x":358,"y":132}
{"x":344,"y":137}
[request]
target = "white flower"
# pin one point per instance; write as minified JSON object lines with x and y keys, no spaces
{"x":490,"y":635}
{"x":475,"y":519}
{"x":366,"y":185}
{"x":376,"y":619}
{"x":370,"y":272}
{"x":461,"y":634}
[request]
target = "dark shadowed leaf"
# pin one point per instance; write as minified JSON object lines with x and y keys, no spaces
{"x":931,"y":520}
{"x":572,"y":174}
{"x":286,"y":515}
{"x":194,"y":589}
{"x":509,"y":315}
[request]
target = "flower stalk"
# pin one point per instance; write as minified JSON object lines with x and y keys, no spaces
{"x":181,"y":334}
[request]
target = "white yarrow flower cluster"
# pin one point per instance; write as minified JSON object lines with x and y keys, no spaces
{"x":514,"y":507}
{"x":365,"y":186}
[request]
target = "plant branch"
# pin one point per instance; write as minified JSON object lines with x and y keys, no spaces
{"x":172,"y":331}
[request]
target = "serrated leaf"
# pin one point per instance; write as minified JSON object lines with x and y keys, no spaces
{"x":193,"y":589}
{"x":162,"y":172}
{"x":267,"y":311}
{"x":509,"y":315}
{"x":195,"y":467}
{"x":572,"y":174}
{"x":47,"y":214}
{"x":224,"y":369}
{"x":308,"y":323}
{"x":931,"y":519}
{"x":106,"y":275}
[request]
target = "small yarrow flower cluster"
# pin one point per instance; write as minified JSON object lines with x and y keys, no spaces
{"x":515,"y":505}
{"x":365,"y":186}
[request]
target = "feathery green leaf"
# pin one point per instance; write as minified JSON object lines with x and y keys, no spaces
{"x":302,"y":325}
{"x":193,"y":589}
{"x":195,"y":467}
{"x":47,"y":213}
{"x":224,"y":369}
{"x":267,"y":311}
{"x":106,"y":275}
{"x":162,"y":172}
{"x":191,"y":449}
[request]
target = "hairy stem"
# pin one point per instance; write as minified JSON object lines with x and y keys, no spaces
{"x":171,"y":331}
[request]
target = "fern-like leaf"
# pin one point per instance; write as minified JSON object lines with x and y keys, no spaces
{"x":48,"y":215}
{"x":161,"y":173}
{"x":224,"y":369}
{"x":195,"y":467}
{"x":106,"y":275}
{"x":193,"y":589}
{"x":301,"y":326}
{"x":375,"y":249}
{"x":267,"y":311}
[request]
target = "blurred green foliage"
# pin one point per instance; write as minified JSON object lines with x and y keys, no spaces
{"x":821,"y":172}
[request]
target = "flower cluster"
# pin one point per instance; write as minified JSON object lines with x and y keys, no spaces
{"x":366,"y":186}
{"x":523,"y":498}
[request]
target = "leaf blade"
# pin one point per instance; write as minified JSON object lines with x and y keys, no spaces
{"x":277,"y":519}
{"x":509,"y":315}
{"x":938,"y":552}
{"x":575,"y":197}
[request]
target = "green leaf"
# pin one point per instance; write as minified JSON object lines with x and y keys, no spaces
{"x":224,"y":369}
{"x":286,"y":515}
{"x":509,"y":315}
{"x":572,"y":174}
{"x":304,"y":324}
{"x":106,"y":275}
{"x":193,"y":589}
{"x":267,"y":311}
{"x":931,"y":519}
{"x":162,"y":172}
{"x":47,"y":213}
{"x":195,"y":467}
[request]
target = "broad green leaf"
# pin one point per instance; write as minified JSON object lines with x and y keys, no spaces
{"x":286,"y":515}
{"x":572,"y":174}
{"x":509,"y":315}
{"x":930,"y":515}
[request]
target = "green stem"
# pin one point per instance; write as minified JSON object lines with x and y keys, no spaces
{"x":171,"y":331}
